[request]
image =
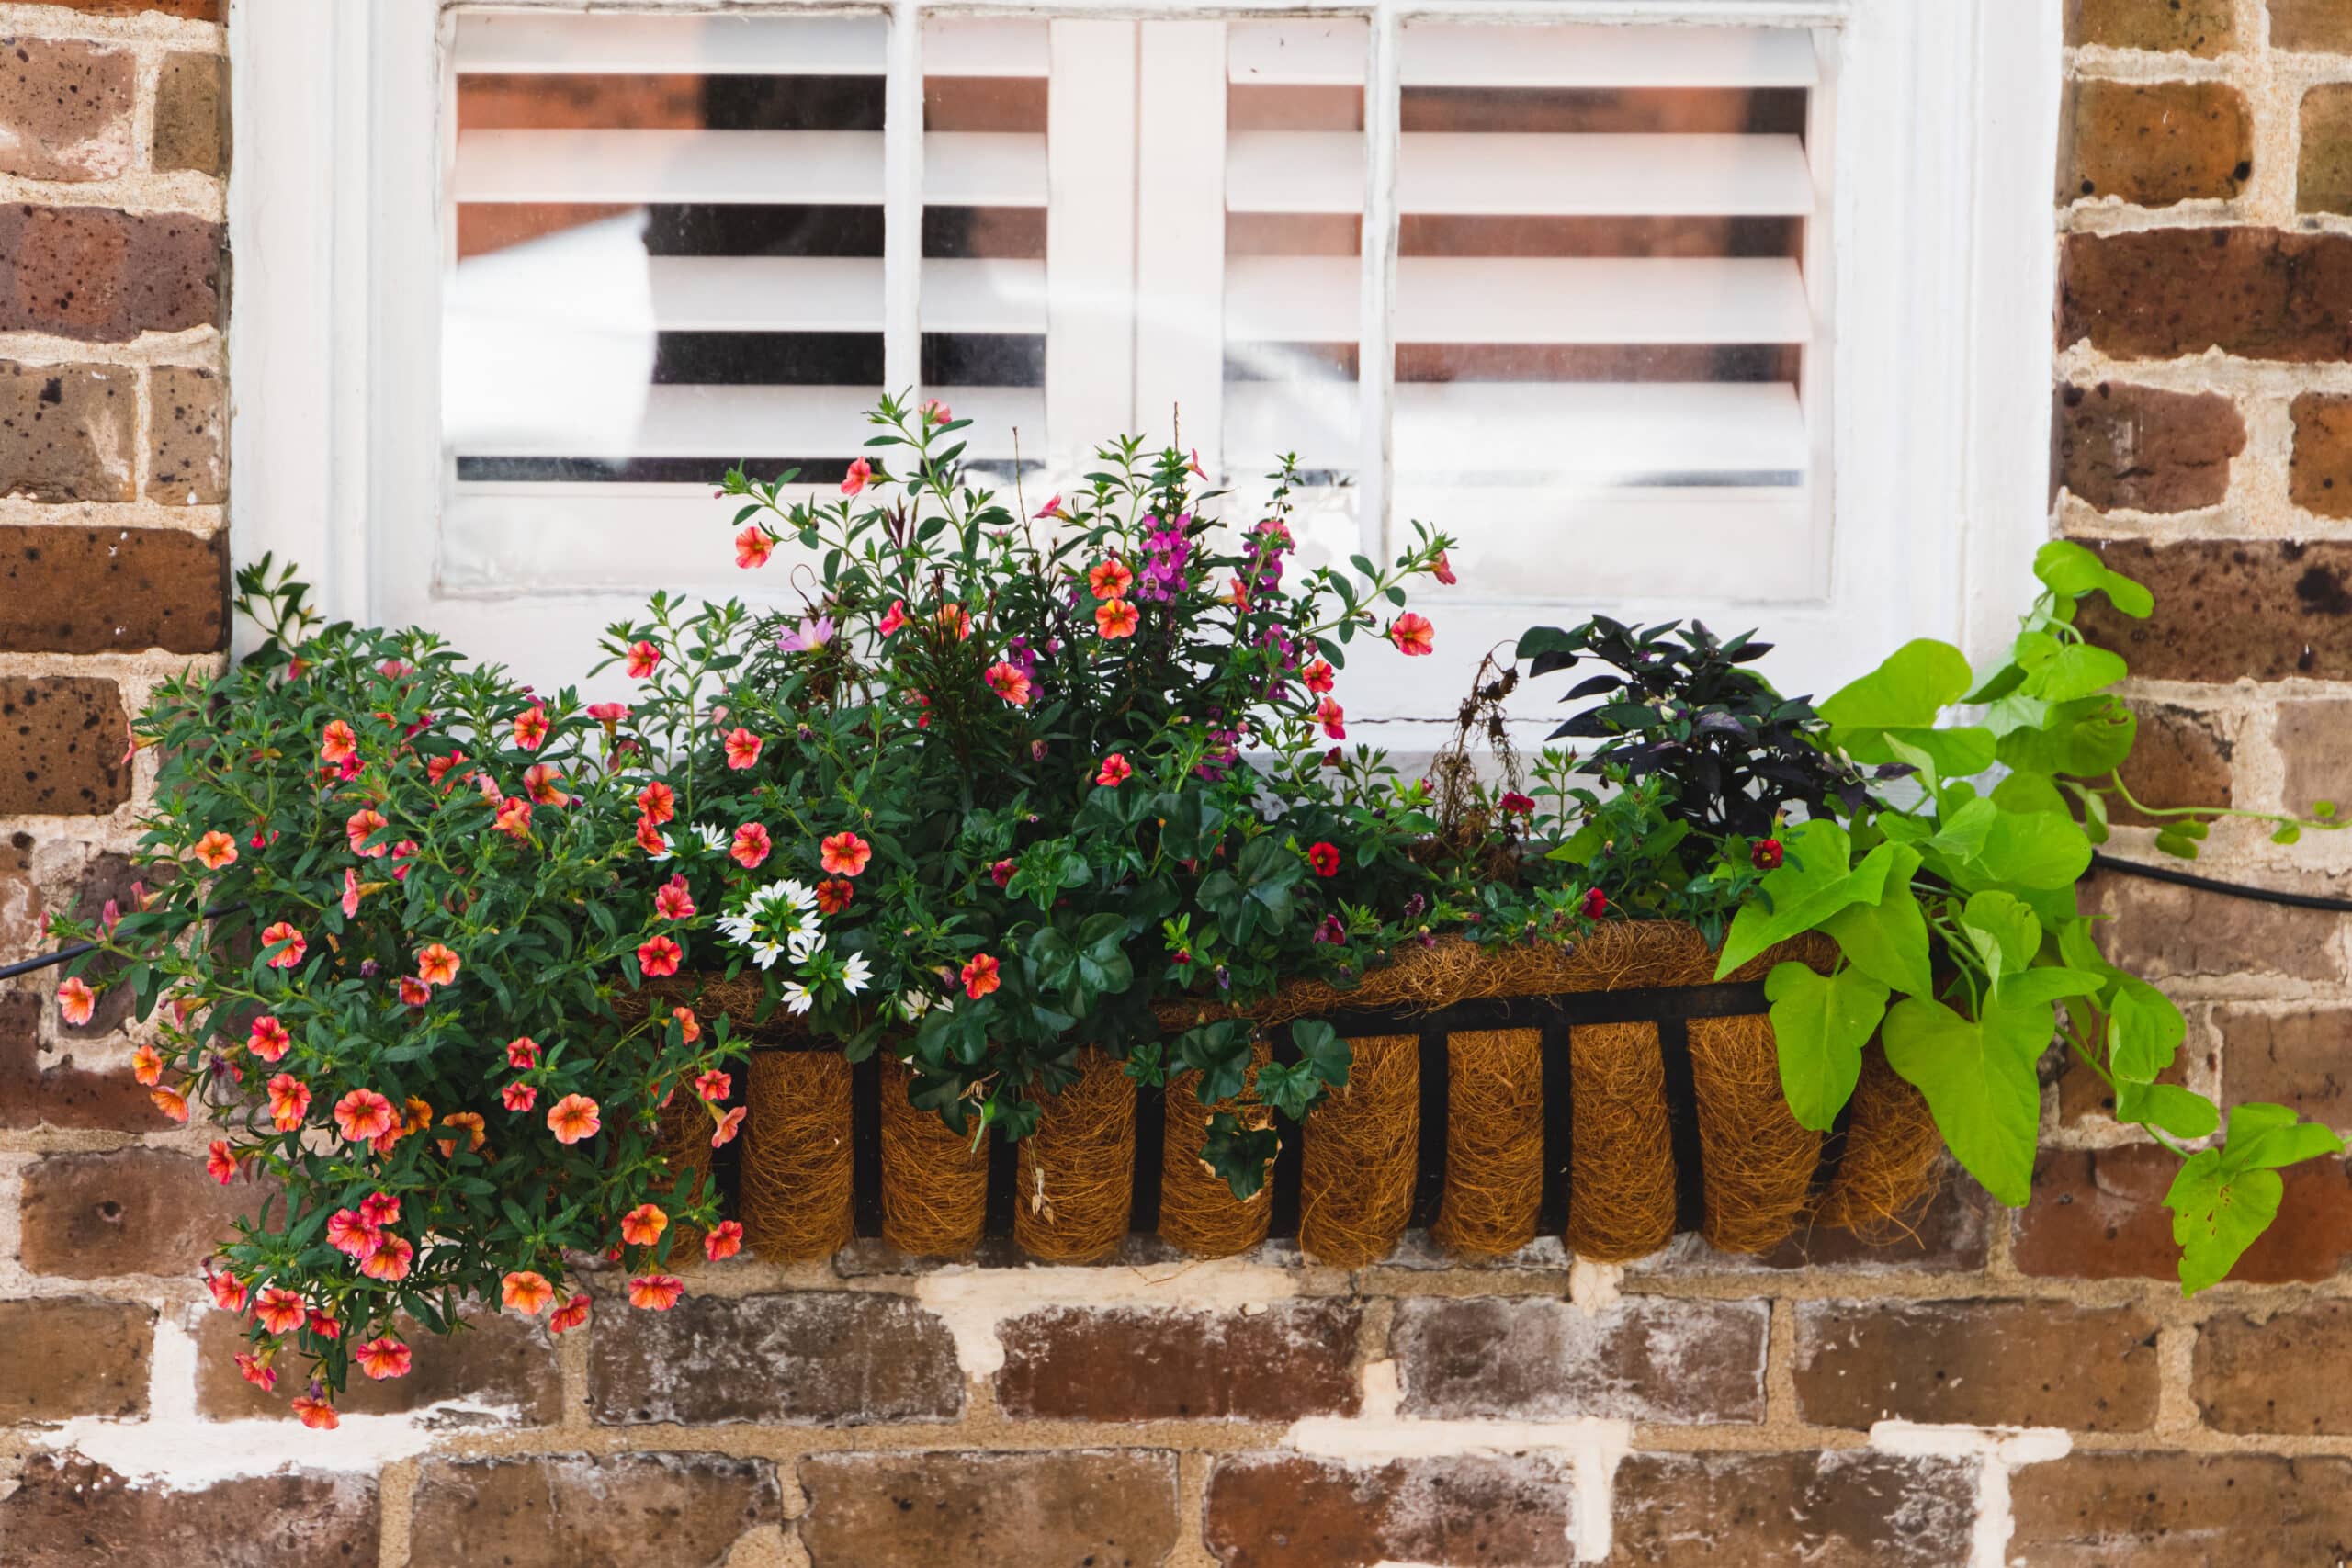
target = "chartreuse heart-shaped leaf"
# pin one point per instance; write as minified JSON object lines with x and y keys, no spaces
{"x":1978,"y":1076}
{"x":1822,"y":1022}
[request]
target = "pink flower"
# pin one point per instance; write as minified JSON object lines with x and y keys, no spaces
{"x":531,"y":727}
{"x":1007,"y":682}
{"x":845,"y":853}
{"x":227,"y":1293}
{"x":295,"y":944}
{"x":323,"y":1324}
{"x":76,"y":1000}
{"x":659,"y":1292}
{"x":673,"y":901}
{"x":338,"y":744}
{"x":609,"y":714}
{"x":650,"y":838}
{"x":742,"y":749}
{"x":389,"y":1261}
{"x":935,"y":412}
{"x":573,"y":1118}
{"x":981,"y":976}
{"x":1110,"y":578}
{"x":752,"y":546}
{"x":279,"y":1309}
{"x":514,"y":817}
{"x":724,"y":1133}
{"x":570,"y":1316}
{"x":658,"y":956}
{"x":380,"y":1208}
{"x":1443,"y":568}
{"x":359,"y":827}
{"x":363,"y":1115}
{"x":895,"y":618}
{"x":725,"y":1240}
{"x":348,"y":1232}
{"x":518,"y":1096}
{"x":1333,"y":718}
{"x":525,"y":1290}
{"x":215,"y":850}
{"x":383,"y":1357}
{"x":1052,"y":508}
{"x":714,"y":1085}
{"x":521,"y":1052}
{"x":1116,"y":771}
{"x":256,"y":1371}
{"x":861,"y":473}
{"x":1318,"y":677}
{"x":351,"y":892}
{"x":1413,"y":635}
{"x":751,"y":846}
{"x":219,"y":1163}
{"x":658,"y":802}
{"x":642,"y":658}
{"x":437,"y":964}
{"x":1116,"y":619}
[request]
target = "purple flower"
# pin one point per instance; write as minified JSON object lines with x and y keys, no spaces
{"x":1021,"y":656}
{"x":1331,"y":932}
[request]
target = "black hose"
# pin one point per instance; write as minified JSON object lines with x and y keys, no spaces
{"x":65,"y":954}
{"x":2230,"y":889}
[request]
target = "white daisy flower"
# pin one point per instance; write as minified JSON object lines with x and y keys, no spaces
{"x":797,"y":997}
{"x":855,"y":974}
{"x":805,"y":943}
{"x":799,"y":894}
{"x":915,"y":1004}
{"x":737,"y":927}
{"x":714,"y":837}
{"x":766,"y":954}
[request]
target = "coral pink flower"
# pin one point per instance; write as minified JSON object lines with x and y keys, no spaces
{"x":751,"y":846}
{"x":543,"y":783}
{"x":1110,"y":579}
{"x":363,"y":1114}
{"x":436,"y":964}
{"x":981,"y":976}
{"x":895,"y":618}
{"x":289,"y":1101}
{"x":1333,"y":718}
{"x":861,"y":473}
{"x":742,"y":749}
{"x":348,"y":1232}
{"x":415,"y":993}
{"x":570,"y":1316}
{"x":643,"y":1225}
{"x":642,"y":658}
{"x":351,"y":892}
{"x":338,"y":744}
{"x":723,"y":1133}
{"x":295,"y":944}
{"x":689,"y":1027}
{"x":1116,"y":770}
{"x":383,"y":1357}
{"x":656,"y":1292}
{"x":76,"y":1000}
{"x":833,"y":894}
{"x":518,"y":1096}
{"x":437,"y":769}
{"x":514,"y":819}
{"x":360,"y":827}
{"x":526,"y":1290}
{"x":279,"y":1309}
{"x":531,"y":727}
{"x":147,"y":1065}
{"x":956,"y":619}
{"x":323,"y":1324}
{"x":476,"y":1132}
{"x":228,"y":1295}
{"x":215,"y":850}
{"x":609,"y":714}
{"x":1413,"y":635}
{"x":171,"y":1103}
{"x":1318,"y":677}
{"x":382,"y":1208}
{"x":256,"y":1371}
{"x":935,"y":412}
{"x":1443,"y":568}
{"x":389,"y":1261}
{"x":1116,"y":619}
{"x":725,"y":1240}
{"x":845,"y":853}
{"x":220,"y":1163}
{"x":648,"y":838}
{"x":658,"y":801}
{"x":1007,"y":682}
{"x":573,"y":1118}
{"x":1053,"y":508}
{"x":1325,"y":859}
{"x":521,"y":1052}
{"x":714,"y":1085}
{"x":752,"y":546}
{"x":316,"y":1413}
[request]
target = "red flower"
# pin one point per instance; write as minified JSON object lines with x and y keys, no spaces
{"x":383,"y":1357}
{"x":316,"y":1413}
{"x":1596,"y":903}
{"x":658,"y":956}
{"x":1766,"y":854}
{"x":414,"y":992}
{"x":673,"y":901}
{"x":658,"y":801}
{"x":1514,"y":802}
{"x":363,"y":1114}
{"x":518,"y":1096}
{"x":751,"y":846}
{"x":981,"y":976}
{"x":1000,"y":872}
{"x":833,"y":894}
{"x":861,"y":473}
{"x":1317,"y":676}
{"x":648,"y":838}
{"x":1413,"y":635}
{"x":894,"y":619}
{"x":380,"y":1208}
{"x":742,"y":749}
{"x":609,"y":714}
{"x":845,"y":853}
{"x":570,"y":1316}
{"x":295,"y":944}
{"x":642,"y":658}
{"x":1333,"y":718}
{"x":1116,"y":771}
{"x":1325,"y":859}
{"x":725,"y":1240}
{"x":724,"y":1132}
{"x":573,"y":1118}
{"x":219,"y":1163}
{"x":714,"y":1085}
{"x":658,"y":1292}
{"x":1443,"y":569}
{"x":323,"y":1324}
{"x":531,"y":727}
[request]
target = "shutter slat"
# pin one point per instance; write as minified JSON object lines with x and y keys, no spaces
{"x":1526,"y":173}
{"x":1297,"y":54}
{"x":983,"y":294}
{"x":1458,"y":55}
{"x":827,"y":168}
{"x":984,"y":46}
{"x":976,"y":168}
{"x":766,"y":293}
{"x":1513,"y":299}
{"x":735,"y":45}
{"x":1557,"y":544}
{"x":730,"y":421}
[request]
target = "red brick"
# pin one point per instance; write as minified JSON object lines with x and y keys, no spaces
{"x":2190,"y":26}
{"x":2084,"y":1096}
{"x":2288,"y":1373}
{"x":2172,"y":1510}
{"x":37,"y":1093}
{"x":2320,"y":478}
{"x":824,"y":1357}
{"x":2323,"y":178}
{"x":2139,"y":449}
{"x":1949,"y":1233}
{"x":2180,"y":757}
{"x":1539,"y":1358}
{"x":102,"y":275}
{"x":131,"y":1211}
{"x":1848,"y":1509}
{"x":2156,"y":143}
{"x":66,"y":431}
{"x":70,"y":1513}
{"x":2092,"y":1369}
{"x":2232,"y":609}
{"x":112,"y":590}
{"x":74,"y":1356}
{"x":2316,"y":741}
{"x":2323,"y":26}
{"x":2301,"y":1058}
{"x":61,"y":744}
{"x":1275,"y":1363}
{"x":2099,"y":1215}
{"x":24,"y":927}
{"x":2163,"y":933}
{"x":65,"y":108}
{"x":589,"y":1510}
{"x":1472,"y":1511}
{"x":193,"y":10}
{"x":497,"y":1362}
{"x":108,"y":878}
{"x":187,"y":461}
{"x":2166,"y":293}
{"x":1113,"y":1508}
{"x":192,"y":114}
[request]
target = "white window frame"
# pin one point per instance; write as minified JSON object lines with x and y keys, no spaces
{"x":1944,"y":267}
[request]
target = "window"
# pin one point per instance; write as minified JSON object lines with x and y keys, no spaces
{"x":1600,"y":288}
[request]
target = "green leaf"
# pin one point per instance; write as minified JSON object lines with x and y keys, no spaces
{"x":2038,"y":850}
{"x":2216,"y":1215}
{"x":1821,"y":1023}
{"x":2273,"y":1148}
{"x":2144,"y":1030}
{"x":2167,"y":1109}
{"x":2041,"y":986}
{"x":1888,"y":939}
{"x":1812,"y":884}
{"x":2070,"y":568}
{"x":2085,"y":738}
{"x":2004,"y":933}
{"x":2076,"y":670}
{"x":1918,"y":681}
{"x":1979,"y":1079}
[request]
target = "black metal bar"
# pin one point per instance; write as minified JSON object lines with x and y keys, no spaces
{"x":1682,"y":1124}
{"x":1003,"y":1175}
{"x":1151,"y":1141}
{"x":1437,"y":1087}
{"x":1833,"y":1154}
{"x":1731,"y":999}
{"x":866,"y":1142}
{"x":1289,"y":1159}
{"x":1559,"y":1131}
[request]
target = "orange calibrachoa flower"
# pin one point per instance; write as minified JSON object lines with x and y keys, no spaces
{"x":1333,"y":718}
{"x":526,"y":1290}
{"x":228,"y":1293}
{"x":573,"y":1118}
{"x":338,"y":744}
{"x":437,"y":964}
{"x":714,"y":1085}
{"x":753,"y":547}
{"x":725,"y":1240}
{"x":981,"y":976}
{"x":658,"y":956}
{"x":171,"y":1103}
{"x":514,"y":817}
{"x":414,"y":992}
{"x":382,"y":1356}
{"x":362,"y":1115}
{"x":256,"y":1370}
{"x":289,"y":1101}
{"x":220,"y":1162}
{"x":316,"y":1413}
{"x":642,"y":658}
{"x":389,"y":1261}
{"x":295,"y":944}
{"x":570,"y":1316}
{"x":742,"y":748}
{"x":215,"y":850}
{"x":269,"y":1038}
{"x":531,"y":727}
{"x":380,"y":1209}
{"x":1318,"y":677}
{"x":476,"y":1132}
{"x":1007,"y":682}
{"x":689,"y":1026}
{"x":751,"y":846}
{"x":833,"y":894}
{"x":656,"y":1292}
{"x":657,"y":802}
{"x":1110,"y":578}
{"x":75,"y":1001}
{"x":1413,"y":635}
{"x":845,"y":853}
{"x":147,"y":1065}
{"x":360,"y":827}
{"x":279,"y":1309}
{"x":1116,"y":619}
{"x":543,"y":783}
{"x":643,"y":1225}
{"x":323,"y":1324}
{"x":724,"y":1133}
{"x":349,"y":1232}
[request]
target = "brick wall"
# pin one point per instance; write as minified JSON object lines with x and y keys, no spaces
{"x":2024,"y":1388}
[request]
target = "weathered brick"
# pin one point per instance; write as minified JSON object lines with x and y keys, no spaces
{"x":2288,"y":1373}
{"x":187,"y":462}
{"x":1472,"y":1511}
{"x":498,"y":1362}
{"x":2165,"y":293}
{"x":1113,"y":1509}
{"x":70,"y":1513}
{"x":2162,"y":932}
{"x":104,"y":275}
{"x":2302,"y":1058}
{"x":2083,"y":1095}
{"x":61,"y":744}
{"x":65,"y":108}
{"x":193,"y":10}
{"x":2316,"y":741}
{"x":2099,"y":1215}
{"x":192,"y":114}
{"x":65,"y":431}
{"x":23,"y":925}
{"x":107,"y":878}
{"x":1841,"y":1509}
{"x":589,"y":1510}
{"x":2324,"y":177}
{"x":111,"y":589}
{"x":2319,"y":479}
{"x":2156,"y":143}
{"x":1540,"y":1358}
{"x":2189,"y":26}
{"x":74,"y":1357}
{"x":37,"y":1093}
{"x":1949,"y":1233}
{"x":2092,"y":1369}
{"x":2232,"y":609}
{"x":2323,"y":26}
{"x":2141,"y":449}
{"x":823,"y":1357}
{"x":1276,"y":1363}
{"x":2172,"y":1510}
{"x":133,"y":1210}
{"x":2180,"y":757}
